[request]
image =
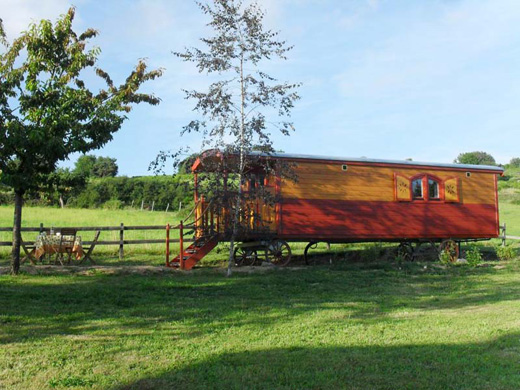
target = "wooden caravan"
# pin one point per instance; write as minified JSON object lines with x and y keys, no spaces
{"x":341,"y":200}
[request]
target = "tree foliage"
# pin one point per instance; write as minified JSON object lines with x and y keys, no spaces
{"x":92,"y":166}
{"x":475,"y":158}
{"x":238,"y":111}
{"x":47,"y":111}
{"x":63,"y":182}
{"x":515,"y":162}
{"x":127,"y":191}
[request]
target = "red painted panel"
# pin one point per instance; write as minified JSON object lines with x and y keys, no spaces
{"x":379,"y":220}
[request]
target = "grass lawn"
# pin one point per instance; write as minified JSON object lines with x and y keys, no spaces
{"x":510,"y":215}
{"x":354,"y":326}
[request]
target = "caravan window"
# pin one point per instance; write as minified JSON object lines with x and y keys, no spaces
{"x":417,"y":188}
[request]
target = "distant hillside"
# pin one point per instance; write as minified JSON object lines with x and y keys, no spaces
{"x":509,"y":185}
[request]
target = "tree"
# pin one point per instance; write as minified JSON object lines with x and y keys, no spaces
{"x":515,"y":162}
{"x":64,"y":181}
{"x":46,"y":110}
{"x":105,"y":167}
{"x":85,"y":165}
{"x":92,"y":166}
{"x":240,"y":108}
{"x":475,"y":158}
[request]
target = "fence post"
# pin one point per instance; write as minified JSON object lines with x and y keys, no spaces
{"x":181,"y":245}
{"x":121,"y":241}
{"x":41,"y":227}
{"x":168,"y":245}
{"x":504,"y":234}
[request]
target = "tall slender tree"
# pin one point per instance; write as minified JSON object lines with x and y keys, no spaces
{"x":46,"y":110}
{"x":239,"y":110}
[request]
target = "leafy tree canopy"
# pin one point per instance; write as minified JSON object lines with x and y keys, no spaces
{"x":92,"y":166}
{"x":47,"y":111}
{"x":475,"y":158}
{"x":515,"y":162}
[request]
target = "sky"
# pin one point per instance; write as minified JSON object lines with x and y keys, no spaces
{"x":388,"y":79}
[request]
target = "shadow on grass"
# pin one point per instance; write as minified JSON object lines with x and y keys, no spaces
{"x":36,"y":307}
{"x":490,"y":365}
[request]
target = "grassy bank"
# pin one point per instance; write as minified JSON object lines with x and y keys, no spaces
{"x":357,"y":326}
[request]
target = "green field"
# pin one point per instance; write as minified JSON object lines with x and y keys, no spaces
{"x":510,"y":215}
{"x":356,"y":326}
{"x":371,"y":324}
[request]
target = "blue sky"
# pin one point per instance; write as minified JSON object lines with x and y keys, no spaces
{"x":389,"y":79}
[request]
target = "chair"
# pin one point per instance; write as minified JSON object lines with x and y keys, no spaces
{"x":30,"y":248}
{"x":29,"y":252}
{"x":67,"y":239}
{"x":89,"y":249}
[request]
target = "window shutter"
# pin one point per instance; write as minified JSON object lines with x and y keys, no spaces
{"x":403,"y":192}
{"x":452,"y":190}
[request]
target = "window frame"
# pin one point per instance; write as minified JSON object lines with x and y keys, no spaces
{"x":425,"y":178}
{"x":420,"y":180}
{"x":438,"y":198}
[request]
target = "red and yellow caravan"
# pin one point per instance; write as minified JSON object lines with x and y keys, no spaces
{"x":340,"y":200}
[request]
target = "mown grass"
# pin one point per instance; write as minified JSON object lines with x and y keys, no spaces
{"x":352,"y":326}
{"x":510,"y":215}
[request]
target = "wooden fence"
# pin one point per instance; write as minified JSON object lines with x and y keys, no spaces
{"x":121,"y":228}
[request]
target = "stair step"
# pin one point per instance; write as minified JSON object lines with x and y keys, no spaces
{"x":177,"y":258}
{"x":195,"y":252}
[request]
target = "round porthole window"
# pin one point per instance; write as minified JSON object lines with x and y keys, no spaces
{"x":344,"y":167}
{"x":468,"y":174}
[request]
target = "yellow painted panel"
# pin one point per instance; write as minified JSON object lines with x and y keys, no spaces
{"x":402,"y":185}
{"x":451,"y":190}
{"x":329,"y":181}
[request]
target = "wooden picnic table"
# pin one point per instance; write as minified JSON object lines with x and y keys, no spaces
{"x":54,"y":244}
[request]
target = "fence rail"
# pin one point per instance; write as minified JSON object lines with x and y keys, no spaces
{"x":121,"y":228}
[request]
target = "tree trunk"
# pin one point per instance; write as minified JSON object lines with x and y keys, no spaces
{"x":15,"y":254}
{"x":62,"y":203}
{"x":241,"y":166}
{"x":234,"y":233}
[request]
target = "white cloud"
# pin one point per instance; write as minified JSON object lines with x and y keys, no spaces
{"x":17,"y":14}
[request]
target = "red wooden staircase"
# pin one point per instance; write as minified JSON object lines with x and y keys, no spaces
{"x":194,"y":253}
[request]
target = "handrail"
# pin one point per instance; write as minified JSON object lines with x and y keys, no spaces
{"x":203,"y":212}
{"x":192,"y":211}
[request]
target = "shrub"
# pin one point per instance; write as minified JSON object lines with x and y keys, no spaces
{"x":113,"y":204}
{"x":372,"y":252}
{"x":473,"y":256}
{"x":505,"y":252}
{"x":445,"y":257}
{"x":515,"y":162}
{"x":6,"y":198}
